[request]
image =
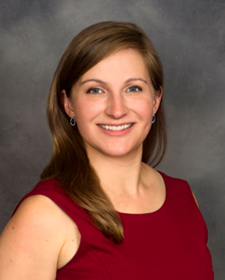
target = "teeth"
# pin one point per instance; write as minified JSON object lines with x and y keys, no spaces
{"x":113,"y":127}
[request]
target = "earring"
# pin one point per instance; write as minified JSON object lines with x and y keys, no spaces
{"x":72,"y":121}
{"x":153,"y":118}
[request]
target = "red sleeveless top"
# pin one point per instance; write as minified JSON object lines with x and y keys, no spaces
{"x":167,"y":244}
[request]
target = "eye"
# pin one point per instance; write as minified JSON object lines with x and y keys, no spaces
{"x":94,"y":90}
{"x":134,"y":89}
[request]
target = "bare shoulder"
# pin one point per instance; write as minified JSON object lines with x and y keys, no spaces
{"x":33,"y":240}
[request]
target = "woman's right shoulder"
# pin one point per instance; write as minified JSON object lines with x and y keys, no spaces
{"x":38,"y":209}
{"x":34,"y":239}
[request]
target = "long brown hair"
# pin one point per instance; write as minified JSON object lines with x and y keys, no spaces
{"x":69,"y":163}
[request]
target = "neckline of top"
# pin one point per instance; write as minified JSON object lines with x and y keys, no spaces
{"x":153,"y":212}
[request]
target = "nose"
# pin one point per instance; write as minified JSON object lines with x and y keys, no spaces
{"x":116,"y":106}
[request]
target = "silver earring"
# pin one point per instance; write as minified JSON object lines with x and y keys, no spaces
{"x":153,"y":118}
{"x":72,"y":121}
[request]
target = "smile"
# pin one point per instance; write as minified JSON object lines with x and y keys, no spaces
{"x":115,"y":127}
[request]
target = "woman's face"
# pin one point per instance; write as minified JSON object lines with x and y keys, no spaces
{"x":113,"y":104}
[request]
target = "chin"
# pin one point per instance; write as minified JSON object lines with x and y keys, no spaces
{"x":120,"y":153}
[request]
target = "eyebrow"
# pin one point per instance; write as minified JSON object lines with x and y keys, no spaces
{"x":92,"y":80}
{"x":136,"y":79}
{"x":102,"y":82}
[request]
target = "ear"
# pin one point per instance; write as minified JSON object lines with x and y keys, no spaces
{"x":157,"y":100}
{"x":66,"y":101}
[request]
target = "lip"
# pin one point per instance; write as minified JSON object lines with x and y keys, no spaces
{"x":116,"y":126}
{"x":116,"y":129}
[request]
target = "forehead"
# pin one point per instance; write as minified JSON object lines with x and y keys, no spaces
{"x":124,"y":63}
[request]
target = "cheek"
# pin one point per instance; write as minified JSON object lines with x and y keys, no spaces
{"x":145,"y":110}
{"x":86,"y":110}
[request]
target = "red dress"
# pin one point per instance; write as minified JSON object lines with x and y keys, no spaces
{"x":167,"y":244}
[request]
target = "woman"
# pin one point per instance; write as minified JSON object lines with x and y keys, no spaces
{"x":100,"y":211}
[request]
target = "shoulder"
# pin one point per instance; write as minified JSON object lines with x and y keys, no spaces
{"x":179,"y":185}
{"x":39,"y":218}
{"x":38,"y":209}
{"x":46,"y":192}
{"x":173,"y":180}
{"x":47,"y":207}
{"x":34,"y":238}
{"x":176,"y":185}
{"x":45,"y":186}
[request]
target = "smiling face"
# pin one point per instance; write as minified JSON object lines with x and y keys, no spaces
{"x":113,"y":104}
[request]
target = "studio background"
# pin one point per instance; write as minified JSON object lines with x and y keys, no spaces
{"x":190,"y":39}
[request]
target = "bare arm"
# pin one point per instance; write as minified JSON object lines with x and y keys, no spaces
{"x":33,"y":241}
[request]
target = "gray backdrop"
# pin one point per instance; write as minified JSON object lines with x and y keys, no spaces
{"x":190,"y":38}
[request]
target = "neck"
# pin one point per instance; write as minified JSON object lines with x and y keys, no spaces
{"x":117,"y":174}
